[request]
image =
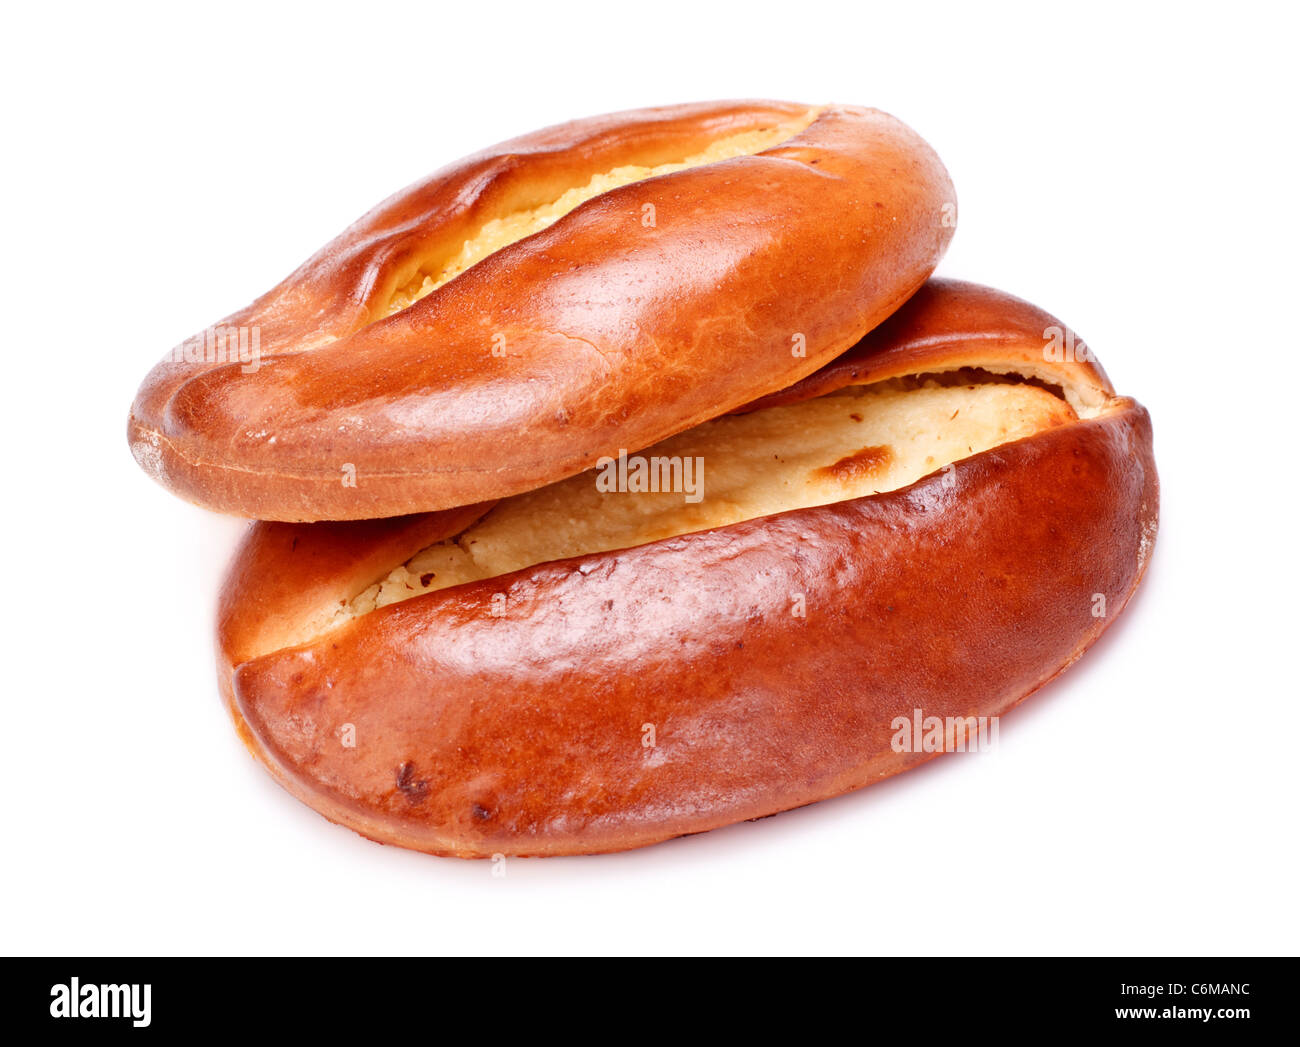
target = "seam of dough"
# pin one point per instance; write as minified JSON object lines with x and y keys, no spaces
{"x":503,"y":230}
{"x":851,"y":443}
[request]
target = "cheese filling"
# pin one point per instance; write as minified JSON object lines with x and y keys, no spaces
{"x":502,"y":231}
{"x":847,"y":444}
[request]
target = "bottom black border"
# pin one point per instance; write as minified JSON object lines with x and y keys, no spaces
{"x":437,"y":997}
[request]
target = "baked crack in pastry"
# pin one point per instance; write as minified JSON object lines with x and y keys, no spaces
{"x":600,"y":285}
{"x":934,"y":524}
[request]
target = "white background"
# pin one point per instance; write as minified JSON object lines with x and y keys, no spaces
{"x":1131,"y":168}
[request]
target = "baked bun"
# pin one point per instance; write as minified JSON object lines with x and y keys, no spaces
{"x":931,"y":527}
{"x":589,"y":287}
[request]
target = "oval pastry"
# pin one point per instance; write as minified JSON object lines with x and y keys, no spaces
{"x":918,"y":532}
{"x":504,"y":323}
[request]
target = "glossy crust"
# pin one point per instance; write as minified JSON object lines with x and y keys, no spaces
{"x":608,"y":334}
{"x":520,"y":733}
{"x":951,"y":324}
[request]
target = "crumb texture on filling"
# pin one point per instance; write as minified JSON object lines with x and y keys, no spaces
{"x":851,"y":443}
{"x":502,"y":231}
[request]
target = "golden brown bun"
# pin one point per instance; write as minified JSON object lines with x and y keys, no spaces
{"x":477,"y":732}
{"x":950,"y":324}
{"x":598,"y":333}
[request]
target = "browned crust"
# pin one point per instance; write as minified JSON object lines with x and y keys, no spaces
{"x":521,"y":733}
{"x":951,"y":324}
{"x":616,"y":335}
{"x":260,"y":608}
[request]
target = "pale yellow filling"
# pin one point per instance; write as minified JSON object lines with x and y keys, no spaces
{"x":855,"y":442}
{"x":507,"y":229}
